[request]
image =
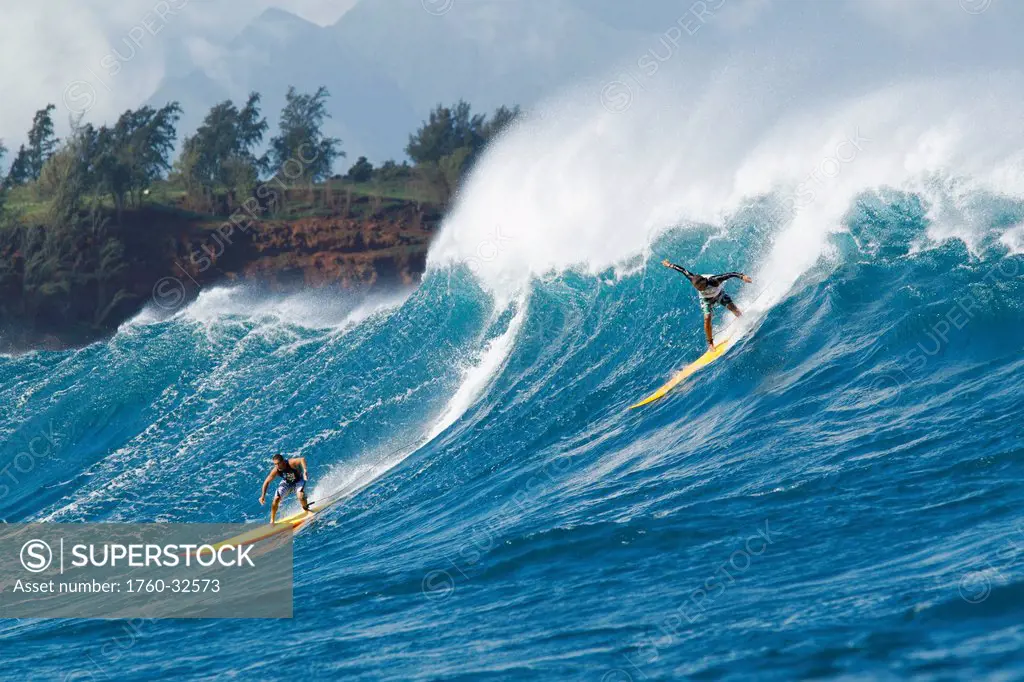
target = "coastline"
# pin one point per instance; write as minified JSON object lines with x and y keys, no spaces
{"x":169,"y":255}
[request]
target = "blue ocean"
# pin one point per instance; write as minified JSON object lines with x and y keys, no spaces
{"x":836,"y":498}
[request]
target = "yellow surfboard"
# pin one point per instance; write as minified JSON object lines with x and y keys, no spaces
{"x":287,"y":524}
{"x":299,"y":520}
{"x":701,"y":362}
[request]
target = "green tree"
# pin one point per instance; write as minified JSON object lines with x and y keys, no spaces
{"x":361,"y":170}
{"x":502,"y":118}
{"x":129,"y":157}
{"x":451,"y":128}
{"x":74,"y":266}
{"x":42,"y":142}
{"x":442,"y":177}
{"x":67,"y":176}
{"x":448,"y":143}
{"x":389,"y":170}
{"x":300,"y":151}
{"x":19,"y":173}
{"x":220,"y":154}
{"x":446,"y":130}
{"x":186,"y":175}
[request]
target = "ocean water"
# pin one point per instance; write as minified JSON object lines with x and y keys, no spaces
{"x":837,"y":498}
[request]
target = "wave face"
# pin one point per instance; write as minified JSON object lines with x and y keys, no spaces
{"x":838,"y":496}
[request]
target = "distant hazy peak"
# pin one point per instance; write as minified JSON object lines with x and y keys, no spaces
{"x":277,"y":26}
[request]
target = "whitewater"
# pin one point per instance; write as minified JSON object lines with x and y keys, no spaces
{"x":839,"y":495}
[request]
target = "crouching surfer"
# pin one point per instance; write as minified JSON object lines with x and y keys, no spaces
{"x":711,"y":294}
{"x":294,"y":473}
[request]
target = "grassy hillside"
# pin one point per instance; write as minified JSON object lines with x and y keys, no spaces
{"x":26,"y":207}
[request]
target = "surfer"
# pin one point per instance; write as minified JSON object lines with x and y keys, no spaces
{"x":294,"y":473}
{"x":710,"y":289}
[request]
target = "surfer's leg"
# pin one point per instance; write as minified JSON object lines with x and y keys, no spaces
{"x":282,"y":490}
{"x":300,"y":492}
{"x":727,"y":302}
{"x":705,"y":306}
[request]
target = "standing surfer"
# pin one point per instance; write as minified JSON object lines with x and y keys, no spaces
{"x":294,"y":473}
{"x":711,"y":293}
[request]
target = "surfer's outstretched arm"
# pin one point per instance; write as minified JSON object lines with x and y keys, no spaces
{"x":715,"y":280}
{"x":679,"y":268}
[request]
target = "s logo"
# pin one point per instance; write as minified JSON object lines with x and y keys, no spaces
{"x":36,"y":556}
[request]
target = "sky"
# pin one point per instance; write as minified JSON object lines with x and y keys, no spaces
{"x":110,"y":55}
{"x":102,"y":57}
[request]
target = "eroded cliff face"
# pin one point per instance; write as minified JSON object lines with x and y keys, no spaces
{"x":171,"y":257}
{"x":308,"y":252}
